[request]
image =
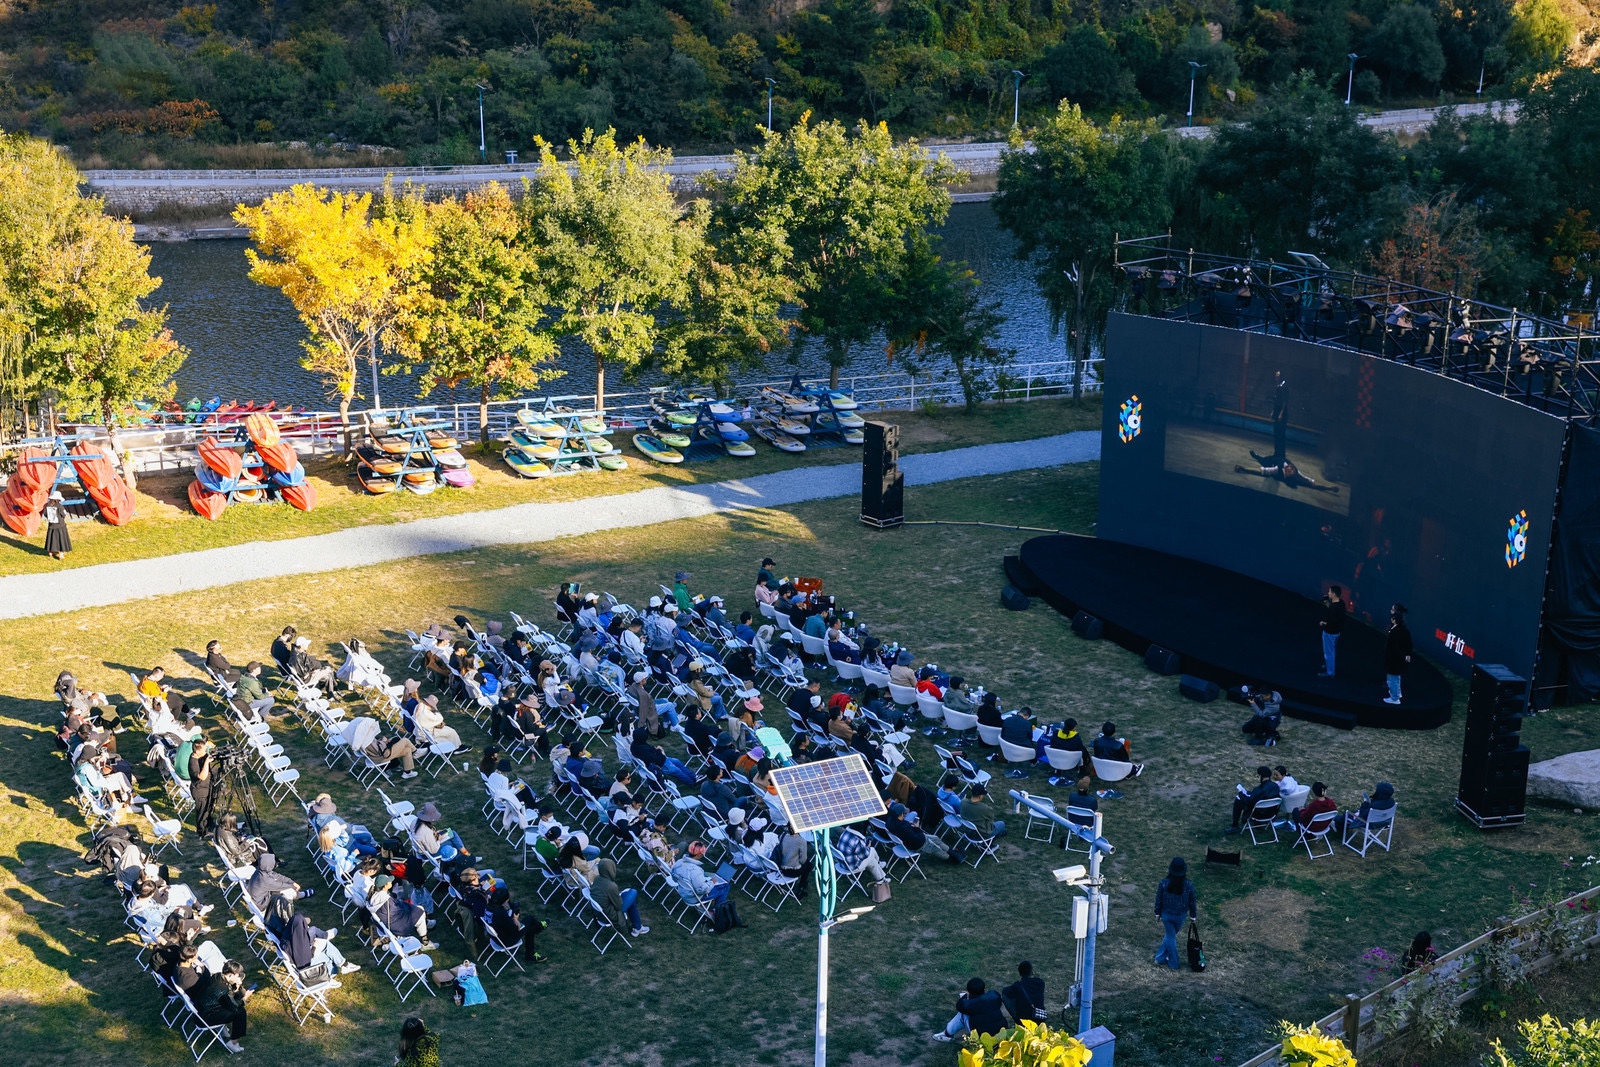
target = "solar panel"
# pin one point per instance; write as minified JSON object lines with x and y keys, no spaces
{"x":830,"y":792}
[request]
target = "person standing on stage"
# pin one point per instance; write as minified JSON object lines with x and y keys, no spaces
{"x":1280,"y":424}
{"x":1396,"y":652}
{"x":1332,"y":624}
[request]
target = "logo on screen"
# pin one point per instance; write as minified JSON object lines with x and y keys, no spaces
{"x":1517,"y":539}
{"x":1129,"y":419}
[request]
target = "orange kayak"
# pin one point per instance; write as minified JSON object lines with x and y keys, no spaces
{"x":94,"y":469}
{"x":117,"y":508}
{"x":220,"y":458}
{"x":262,"y":430}
{"x":279,"y":457}
{"x":27,"y":498}
{"x":206,"y":504}
{"x":34,"y":475}
{"x":23,"y":520}
{"x":302,"y":496}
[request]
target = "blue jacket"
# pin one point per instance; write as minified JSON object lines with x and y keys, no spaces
{"x":1175,"y":905}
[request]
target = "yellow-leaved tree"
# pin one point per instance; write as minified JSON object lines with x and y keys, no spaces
{"x":344,"y":268}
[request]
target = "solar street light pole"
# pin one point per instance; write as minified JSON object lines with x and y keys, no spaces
{"x":827,"y":890}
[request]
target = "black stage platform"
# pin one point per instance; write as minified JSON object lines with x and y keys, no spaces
{"x":1229,"y":629}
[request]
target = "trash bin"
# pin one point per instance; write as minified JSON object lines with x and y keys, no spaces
{"x":511,"y":155}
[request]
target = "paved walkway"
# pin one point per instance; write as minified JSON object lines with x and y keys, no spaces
{"x":26,"y":595}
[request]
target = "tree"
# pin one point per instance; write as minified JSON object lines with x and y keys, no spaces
{"x":937,"y":311}
{"x":1406,"y":44}
{"x":343,"y":270}
{"x":1548,"y":1042}
{"x":1437,"y":245}
{"x":842,"y":207}
{"x":1068,"y":199}
{"x":1086,"y":69}
{"x":1539,"y":35}
{"x":615,"y":249}
{"x":474,"y":314}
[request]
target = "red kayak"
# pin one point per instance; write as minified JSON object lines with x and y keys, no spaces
{"x":302,"y":496}
{"x":278,"y":457}
{"x":26,"y":497}
{"x":35,"y":474}
{"x":117,"y":508}
{"x":262,"y":430}
{"x":206,"y":504}
{"x":94,"y":469}
{"x":24,"y":520}
{"x":220,"y":458}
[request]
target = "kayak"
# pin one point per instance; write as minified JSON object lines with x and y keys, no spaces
{"x":220,"y":459}
{"x":117,"y":509}
{"x":670,"y":435}
{"x":850,"y":420}
{"x":539,"y":425}
{"x":280,"y":457}
{"x":786,"y":423}
{"x":262,"y":430}
{"x":717,"y":409}
{"x":380,"y":462}
{"x":302,"y":496}
{"x":794,"y":405}
{"x":734,"y":447}
{"x":376,"y":483}
{"x":457,"y":477}
{"x":450,"y":459}
{"x":778,"y":439}
{"x":842,"y":426}
{"x":35,"y":474}
{"x":657,"y":449}
{"x":92,"y":466}
{"x":612,"y":462}
{"x":206,"y":504}
{"x":18,"y":513}
{"x":532,"y":446}
{"x":524,"y":464}
{"x":730,"y":431}
{"x":288,"y":479}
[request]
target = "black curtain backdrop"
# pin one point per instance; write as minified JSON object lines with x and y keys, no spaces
{"x":1572,"y":615}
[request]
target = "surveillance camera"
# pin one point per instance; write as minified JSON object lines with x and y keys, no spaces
{"x":1076,"y":873}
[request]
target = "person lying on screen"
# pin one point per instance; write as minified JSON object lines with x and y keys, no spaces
{"x":1287,"y":473}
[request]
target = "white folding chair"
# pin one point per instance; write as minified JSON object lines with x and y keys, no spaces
{"x":1263,"y":819}
{"x":497,"y":950}
{"x":989,"y":735}
{"x":1023,"y":754}
{"x":904,"y":695}
{"x":1062,"y":762}
{"x":1319,"y":830}
{"x":1034,"y":817}
{"x":1082,"y":817}
{"x":959,"y":722}
{"x":1376,"y":829}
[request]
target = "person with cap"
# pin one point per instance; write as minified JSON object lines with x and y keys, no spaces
{"x":496,"y":637}
{"x":1397,"y":649}
{"x":309,"y":669}
{"x":248,"y":692}
{"x":905,"y":826}
{"x":439,"y":736}
{"x":714,"y":613}
{"x":588,"y":616}
{"x":680,"y":591}
{"x":1175,"y":904}
{"x":710,"y":700}
{"x":399,"y":917}
{"x":765,"y":572}
{"x":979,"y":1010}
{"x":57,"y":541}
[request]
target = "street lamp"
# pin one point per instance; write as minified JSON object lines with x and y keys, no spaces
{"x":483,"y":143}
{"x":1016,"y":97}
{"x":1089,"y":911}
{"x":1480,"y":80}
{"x":1350,"y":84}
{"x":770,"y":86}
{"x":1194,"y":72}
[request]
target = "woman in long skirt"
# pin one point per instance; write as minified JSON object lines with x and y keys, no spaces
{"x":57,"y":541}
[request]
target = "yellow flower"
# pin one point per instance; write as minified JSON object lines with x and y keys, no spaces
{"x":970,"y":1058}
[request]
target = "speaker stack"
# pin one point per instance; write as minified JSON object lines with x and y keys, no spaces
{"x":882,"y":483}
{"x":1494,"y":762}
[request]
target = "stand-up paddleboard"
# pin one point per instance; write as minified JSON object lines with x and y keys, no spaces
{"x":778,"y":439}
{"x":655,"y":448}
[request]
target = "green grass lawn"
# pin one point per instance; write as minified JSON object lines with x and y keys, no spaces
{"x":1285,"y":934}
{"x":165,"y":524}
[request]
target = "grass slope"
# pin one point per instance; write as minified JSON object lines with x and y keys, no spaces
{"x":1284,"y":933}
{"x":165,"y":524}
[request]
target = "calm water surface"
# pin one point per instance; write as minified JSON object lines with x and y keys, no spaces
{"x":245,"y":338}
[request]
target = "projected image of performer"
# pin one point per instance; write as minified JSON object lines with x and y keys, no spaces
{"x":1286,"y":472}
{"x":1280,"y":424}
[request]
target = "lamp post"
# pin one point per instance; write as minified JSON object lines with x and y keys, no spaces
{"x":1016,"y":97}
{"x":1350,"y":83}
{"x":1194,"y":72}
{"x":770,"y":86}
{"x":1086,"y":920}
{"x":483,"y":143}
{"x":1480,"y":80}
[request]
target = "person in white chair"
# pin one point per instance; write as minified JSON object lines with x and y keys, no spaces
{"x":428,"y":717}
{"x":361,"y":670}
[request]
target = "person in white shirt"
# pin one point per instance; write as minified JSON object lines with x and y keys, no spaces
{"x":1286,"y":782}
{"x":428,"y":717}
{"x":632,"y":640}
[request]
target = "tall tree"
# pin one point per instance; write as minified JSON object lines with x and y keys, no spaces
{"x":474,"y":314}
{"x":342,"y":268}
{"x":1068,"y":199}
{"x":614,"y":246}
{"x":937,"y":312}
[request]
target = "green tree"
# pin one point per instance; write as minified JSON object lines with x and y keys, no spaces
{"x":937,"y":312}
{"x":474,"y":314}
{"x":1406,"y":45}
{"x":843,"y":208}
{"x":1068,"y":199}
{"x":1539,"y":35}
{"x":342,"y":268}
{"x":1085,"y":69}
{"x":1548,"y":1042}
{"x":615,"y":248}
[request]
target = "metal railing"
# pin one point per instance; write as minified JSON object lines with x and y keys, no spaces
{"x":172,"y":447}
{"x":1543,"y":363}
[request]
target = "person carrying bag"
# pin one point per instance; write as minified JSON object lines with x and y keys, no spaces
{"x":1175,"y":902}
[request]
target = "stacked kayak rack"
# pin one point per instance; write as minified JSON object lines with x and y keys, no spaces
{"x":692,"y":426}
{"x":552,"y":441}
{"x":248,"y":463}
{"x":415,"y":453}
{"x":80,"y":468}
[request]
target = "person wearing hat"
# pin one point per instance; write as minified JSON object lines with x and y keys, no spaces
{"x":713,"y":613}
{"x":399,"y":917}
{"x":588,"y":617}
{"x":307,"y":668}
{"x":445,"y":845}
{"x":1175,"y":904}
{"x":1397,"y":650}
{"x":905,"y":826}
{"x":496,"y":637}
{"x":680,"y":590}
{"x":57,"y":541}
{"x":651,"y":711}
{"x":530,"y":725}
{"x":709,"y":699}
{"x":767,"y":563}
{"x":431,"y":727}
{"x":248,"y":692}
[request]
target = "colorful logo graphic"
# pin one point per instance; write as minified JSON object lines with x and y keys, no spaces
{"x":1129,"y":419}
{"x":1517,"y":539}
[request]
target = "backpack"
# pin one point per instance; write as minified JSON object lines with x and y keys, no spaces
{"x":724,"y":917}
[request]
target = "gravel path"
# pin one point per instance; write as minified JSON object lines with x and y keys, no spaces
{"x":26,"y":595}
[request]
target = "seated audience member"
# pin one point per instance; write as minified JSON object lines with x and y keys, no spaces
{"x":308,"y":946}
{"x":1381,"y":800}
{"x":361,"y":670}
{"x":901,"y":673}
{"x":989,"y":711}
{"x":427,"y":717}
{"x":157,"y":692}
{"x":572,"y":859}
{"x":978,"y":1010}
{"x":764,"y":593}
{"x":283,"y":649}
{"x":929,"y":684}
{"x":399,"y":917}
{"x":857,"y":854}
{"x":248,"y":692}
{"x":745,"y":631}
{"x":1017,"y":728}
{"x":841,"y":646}
{"x":85,"y":702}
{"x":654,"y":839}
{"x":1318,"y":803}
{"x":176,"y":959}
{"x":716,"y":792}
{"x":220,"y":999}
{"x":308,"y":668}
{"x":977,"y":810}
{"x":1082,"y":796}
{"x":1266,"y":717}
{"x":620,"y":905}
{"x":503,"y":917}
{"x":218,"y":664}
{"x":838,"y":726}
{"x":694,"y":884}
{"x":268,"y":882}
{"x":1244,"y":803}
{"x":1024,"y":998}
{"x":1108,"y":746}
{"x":385,"y":749}
{"x":444,"y":845}
{"x":530,"y":725}
{"x":957,"y":697}
{"x":239,"y":847}
{"x":1286,"y":783}
{"x":905,"y":826}
{"x":1066,"y":738}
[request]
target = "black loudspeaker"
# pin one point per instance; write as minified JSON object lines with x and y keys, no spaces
{"x":1161,"y":660}
{"x":1198,"y":689}
{"x":1494,"y":762}
{"x":1014,"y":599}
{"x":882,"y":483}
{"x":1087,"y":626}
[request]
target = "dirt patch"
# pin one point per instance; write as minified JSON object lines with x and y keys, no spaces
{"x":920,"y":432}
{"x":1276,"y":918}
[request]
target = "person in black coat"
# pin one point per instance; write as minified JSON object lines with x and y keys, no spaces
{"x":220,"y":999}
{"x":1397,"y":649}
{"x":1245,"y":803}
{"x":1332,"y":624}
{"x":979,"y":1010}
{"x":1024,"y":998}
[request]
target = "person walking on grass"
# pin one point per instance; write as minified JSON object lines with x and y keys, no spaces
{"x":1174,"y":903}
{"x":57,"y":541}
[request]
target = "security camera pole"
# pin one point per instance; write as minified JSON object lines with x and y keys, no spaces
{"x":1090,"y":882}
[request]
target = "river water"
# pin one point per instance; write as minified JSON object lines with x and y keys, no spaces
{"x":244,"y":338}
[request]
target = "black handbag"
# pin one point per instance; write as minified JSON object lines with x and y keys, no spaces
{"x":1197,"y":955}
{"x":315,"y":974}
